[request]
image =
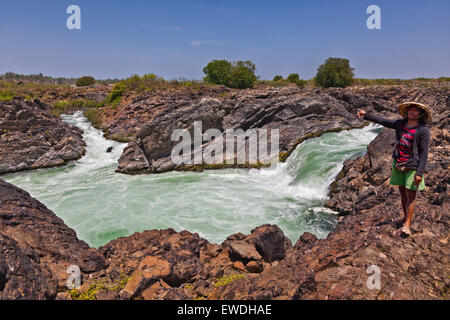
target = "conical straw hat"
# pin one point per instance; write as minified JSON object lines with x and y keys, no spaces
{"x":403,"y":110}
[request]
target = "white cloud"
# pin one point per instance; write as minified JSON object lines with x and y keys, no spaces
{"x":196,"y":43}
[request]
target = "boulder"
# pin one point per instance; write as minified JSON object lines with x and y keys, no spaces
{"x":306,"y":241}
{"x":31,"y":137}
{"x":150,"y":270}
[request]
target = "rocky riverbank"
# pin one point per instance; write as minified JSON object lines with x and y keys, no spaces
{"x":37,"y":247}
{"x":297,"y":113}
{"x":31,"y":137}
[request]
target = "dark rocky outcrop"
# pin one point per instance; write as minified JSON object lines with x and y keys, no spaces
{"x":265,"y":242}
{"x":31,"y":137}
{"x":297,"y":113}
{"x":21,"y":274}
{"x":37,"y":247}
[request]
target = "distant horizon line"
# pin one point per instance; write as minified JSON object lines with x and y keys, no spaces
{"x":181,"y":77}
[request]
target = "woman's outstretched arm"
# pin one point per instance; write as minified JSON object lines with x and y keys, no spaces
{"x":377,"y":119}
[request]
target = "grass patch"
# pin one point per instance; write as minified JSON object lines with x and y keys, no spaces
{"x":91,"y":292}
{"x":226,"y":279}
{"x":407,"y":82}
{"x":120,"y":137}
{"x":92,"y":115}
{"x":6,"y":95}
{"x":29,"y":90}
{"x":148,"y":82}
{"x":64,"y":106}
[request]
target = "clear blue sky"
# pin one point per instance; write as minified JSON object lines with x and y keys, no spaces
{"x":177,"y":38}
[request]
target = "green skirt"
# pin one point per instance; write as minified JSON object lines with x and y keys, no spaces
{"x":405,"y":179}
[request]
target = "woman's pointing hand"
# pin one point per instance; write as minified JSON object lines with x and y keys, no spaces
{"x":360,"y":113}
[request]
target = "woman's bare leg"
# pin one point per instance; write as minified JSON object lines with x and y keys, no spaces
{"x":404,"y":199}
{"x":411,"y":194}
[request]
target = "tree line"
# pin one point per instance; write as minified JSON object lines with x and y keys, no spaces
{"x":334,"y":72}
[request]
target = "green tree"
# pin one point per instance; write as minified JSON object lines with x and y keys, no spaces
{"x":248,"y":64}
{"x":85,"y":81}
{"x":277,"y":78}
{"x":335,"y":72}
{"x":295,"y":78}
{"x":218,"y":72}
{"x":243,"y":75}
{"x":239,"y":74}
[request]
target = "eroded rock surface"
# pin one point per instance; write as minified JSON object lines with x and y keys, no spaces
{"x":297,"y":114}
{"x":31,"y":137}
{"x":37,"y":248}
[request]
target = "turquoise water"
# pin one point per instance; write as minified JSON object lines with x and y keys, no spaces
{"x":101,"y":205}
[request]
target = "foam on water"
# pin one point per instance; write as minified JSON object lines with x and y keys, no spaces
{"x":102,"y":205}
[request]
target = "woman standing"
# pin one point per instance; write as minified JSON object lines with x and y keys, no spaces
{"x":410,"y":154}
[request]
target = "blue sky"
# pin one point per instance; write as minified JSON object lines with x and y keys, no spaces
{"x":178,"y":38}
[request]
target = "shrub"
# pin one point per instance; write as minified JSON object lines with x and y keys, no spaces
{"x":243,"y":75}
{"x":335,"y":72}
{"x":117,"y":92}
{"x":64,"y":106}
{"x":239,"y":74}
{"x":85,"y":81}
{"x":295,"y":78}
{"x":183,"y":82}
{"x":218,"y":72}
{"x":92,"y":115}
{"x":277,"y":78}
{"x":443,"y":79}
{"x":136,"y":83}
